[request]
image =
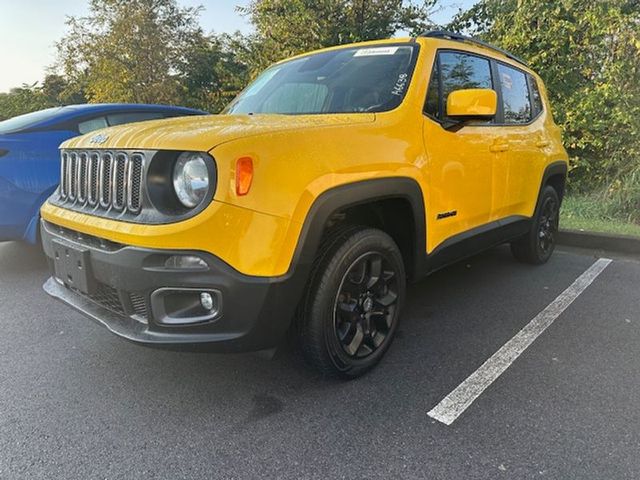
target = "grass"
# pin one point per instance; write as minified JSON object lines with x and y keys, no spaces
{"x":589,"y":213}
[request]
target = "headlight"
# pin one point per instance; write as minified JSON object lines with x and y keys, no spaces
{"x":191,"y":178}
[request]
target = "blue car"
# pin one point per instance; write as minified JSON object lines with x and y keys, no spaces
{"x":30,"y":161}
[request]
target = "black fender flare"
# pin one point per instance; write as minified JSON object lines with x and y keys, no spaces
{"x":553,"y":169}
{"x":354,"y":194}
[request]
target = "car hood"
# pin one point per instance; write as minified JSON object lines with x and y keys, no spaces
{"x":202,"y":133}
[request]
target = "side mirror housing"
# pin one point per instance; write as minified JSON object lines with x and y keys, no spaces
{"x":472,"y":104}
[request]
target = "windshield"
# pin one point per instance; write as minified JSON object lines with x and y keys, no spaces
{"x":27,"y":120}
{"x":371,"y":79}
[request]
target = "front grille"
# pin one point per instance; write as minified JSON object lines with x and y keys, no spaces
{"x":102,"y":180}
{"x":110,"y":298}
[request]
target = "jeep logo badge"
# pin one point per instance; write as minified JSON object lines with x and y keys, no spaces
{"x":99,"y":139}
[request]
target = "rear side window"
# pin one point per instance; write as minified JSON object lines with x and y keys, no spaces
{"x":455,"y":71}
{"x":516,"y":104}
{"x":536,"y":99}
{"x":120,"y":118}
{"x":116,"y":119}
{"x":92,"y":124}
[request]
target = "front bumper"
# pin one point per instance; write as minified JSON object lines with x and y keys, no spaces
{"x":256,"y":311}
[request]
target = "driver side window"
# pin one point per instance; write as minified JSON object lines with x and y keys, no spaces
{"x":455,"y":71}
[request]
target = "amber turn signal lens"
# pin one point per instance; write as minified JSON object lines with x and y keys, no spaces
{"x":244,"y":175}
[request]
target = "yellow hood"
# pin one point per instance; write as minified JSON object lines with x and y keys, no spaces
{"x":202,"y":133}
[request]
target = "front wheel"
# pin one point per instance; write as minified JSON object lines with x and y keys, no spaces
{"x":538,"y":244}
{"x":350,"y":313}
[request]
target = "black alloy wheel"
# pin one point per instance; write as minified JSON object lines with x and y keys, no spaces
{"x":365,"y":306}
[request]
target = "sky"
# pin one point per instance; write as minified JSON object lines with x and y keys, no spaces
{"x":30,"y":28}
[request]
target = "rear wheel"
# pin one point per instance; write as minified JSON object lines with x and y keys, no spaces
{"x":351,"y":310}
{"x":538,"y":244}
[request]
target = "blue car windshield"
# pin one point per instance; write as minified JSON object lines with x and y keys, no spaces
{"x":22,"y":122}
{"x":347,"y":80}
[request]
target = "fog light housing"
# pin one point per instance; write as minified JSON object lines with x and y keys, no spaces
{"x":185,"y":262}
{"x":185,"y":306}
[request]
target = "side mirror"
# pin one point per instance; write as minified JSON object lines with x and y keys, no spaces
{"x":472,"y":104}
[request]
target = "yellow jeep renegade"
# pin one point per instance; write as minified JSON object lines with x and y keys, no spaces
{"x":306,"y":206}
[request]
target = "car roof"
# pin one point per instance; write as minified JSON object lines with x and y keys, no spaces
{"x":125,"y":107}
{"x":60,"y":115}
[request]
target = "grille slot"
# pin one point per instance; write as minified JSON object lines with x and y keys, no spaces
{"x":139,"y":305}
{"x":94,"y":163}
{"x":119,"y":173}
{"x":108,"y":298}
{"x":71,"y":175}
{"x":102,"y":180}
{"x":64,"y":189}
{"x":135,"y":183}
{"x":81,"y":179}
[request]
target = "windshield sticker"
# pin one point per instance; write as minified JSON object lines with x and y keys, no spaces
{"x":401,"y":83}
{"x":370,"y":52}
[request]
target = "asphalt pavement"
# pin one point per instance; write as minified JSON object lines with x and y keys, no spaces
{"x":79,"y":403}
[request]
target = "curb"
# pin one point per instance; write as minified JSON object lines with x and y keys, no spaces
{"x":599,"y":241}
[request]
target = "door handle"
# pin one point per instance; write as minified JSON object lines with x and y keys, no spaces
{"x":499,"y":147}
{"x":543,"y":143}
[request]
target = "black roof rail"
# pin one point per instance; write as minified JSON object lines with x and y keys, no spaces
{"x":458,"y":37}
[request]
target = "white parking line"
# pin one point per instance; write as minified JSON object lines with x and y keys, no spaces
{"x":454,"y":404}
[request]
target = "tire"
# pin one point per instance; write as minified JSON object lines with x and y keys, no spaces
{"x":347,"y":319}
{"x":538,"y":244}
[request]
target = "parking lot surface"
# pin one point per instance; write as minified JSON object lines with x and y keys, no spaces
{"x":77,"y":402}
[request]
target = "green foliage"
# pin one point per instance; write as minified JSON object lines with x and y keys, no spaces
{"x":25,"y":99}
{"x":588,"y":53}
{"x":212,"y":75}
{"x":149,"y":51}
{"x":29,"y":98}
{"x":129,"y":51}
{"x":599,"y":213}
{"x":289,"y":27}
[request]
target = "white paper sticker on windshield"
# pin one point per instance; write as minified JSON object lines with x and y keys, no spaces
{"x":369,"y":52}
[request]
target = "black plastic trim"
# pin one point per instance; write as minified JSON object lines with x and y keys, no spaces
{"x":558,"y":168}
{"x":476,"y":240}
{"x":354,"y":194}
{"x":256,"y":312}
{"x":458,"y":37}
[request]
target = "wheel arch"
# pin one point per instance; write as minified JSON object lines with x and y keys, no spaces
{"x":358,"y":200}
{"x":555,"y":175}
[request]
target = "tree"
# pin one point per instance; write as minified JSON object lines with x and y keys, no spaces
{"x":289,"y":27}
{"x":24,"y":99}
{"x":212,"y":74}
{"x":129,"y":51}
{"x":57,"y":91}
{"x":588,"y":54}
